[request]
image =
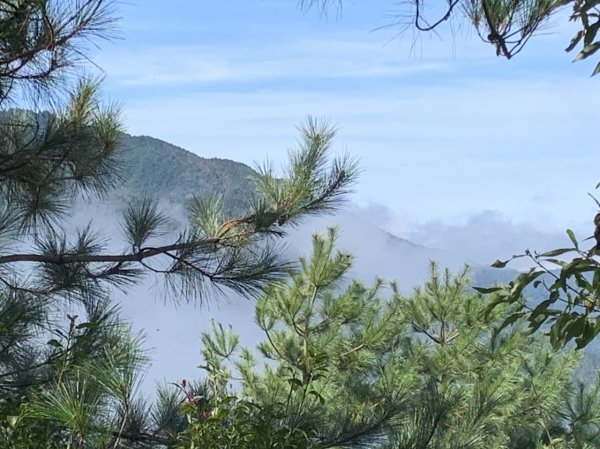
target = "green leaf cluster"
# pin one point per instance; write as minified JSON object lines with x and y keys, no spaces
{"x":570,"y":280}
{"x":353,"y":365}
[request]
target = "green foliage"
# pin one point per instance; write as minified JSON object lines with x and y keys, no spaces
{"x":69,"y":379}
{"x":60,"y":392}
{"x":505,"y":24}
{"x":341,"y":365}
{"x":218,"y":248}
{"x":350,"y":367}
{"x":40,"y":41}
{"x":582,"y":415}
{"x":570,"y":280}
{"x":50,"y":158}
{"x":79,"y":389}
{"x":158,"y":170}
{"x":238,"y":424}
{"x":45,"y":160}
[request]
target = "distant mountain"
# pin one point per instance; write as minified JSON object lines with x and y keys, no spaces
{"x":154,"y":168}
{"x":398,"y":242}
{"x":164,"y":171}
{"x":157,"y":169}
{"x":481,"y":275}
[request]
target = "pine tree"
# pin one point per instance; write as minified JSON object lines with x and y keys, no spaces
{"x":47,"y":159}
{"x":68,"y":380}
{"x":507,"y":25}
{"x":353,"y":366}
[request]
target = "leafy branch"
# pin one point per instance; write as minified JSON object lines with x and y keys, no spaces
{"x":215,"y":249}
{"x":571,"y":279}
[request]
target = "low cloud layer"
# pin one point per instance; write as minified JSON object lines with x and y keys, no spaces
{"x":174,"y":330}
{"x":489,"y":235}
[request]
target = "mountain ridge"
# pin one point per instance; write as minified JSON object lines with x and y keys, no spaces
{"x":165,"y":171}
{"x":158,"y":169}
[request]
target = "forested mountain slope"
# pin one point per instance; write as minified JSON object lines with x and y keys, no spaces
{"x":155,"y":168}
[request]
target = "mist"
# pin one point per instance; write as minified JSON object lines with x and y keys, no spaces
{"x":173,"y":327}
{"x":488,"y":235}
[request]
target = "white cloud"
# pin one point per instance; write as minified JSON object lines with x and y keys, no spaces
{"x":489,"y":235}
{"x":147,"y":65}
{"x":174,"y":331}
{"x":428,"y":152}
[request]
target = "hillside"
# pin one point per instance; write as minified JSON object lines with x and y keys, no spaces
{"x":157,"y":169}
{"x":154,"y":168}
{"x":164,"y":171}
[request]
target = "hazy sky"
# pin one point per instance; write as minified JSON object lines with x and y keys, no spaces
{"x":444,"y":130}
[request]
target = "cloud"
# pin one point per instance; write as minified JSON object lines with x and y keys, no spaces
{"x":303,"y":59}
{"x":428,"y":152}
{"x":489,"y":235}
{"x":174,"y":330}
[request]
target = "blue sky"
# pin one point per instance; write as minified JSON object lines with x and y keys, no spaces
{"x":446,"y":132}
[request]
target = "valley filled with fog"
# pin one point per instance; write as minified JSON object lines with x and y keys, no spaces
{"x":172,"y":324}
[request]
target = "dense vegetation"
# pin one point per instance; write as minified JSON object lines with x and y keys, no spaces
{"x":153,"y":168}
{"x":363,"y":365}
{"x":566,"y":279}
{"x":342,"y":364}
